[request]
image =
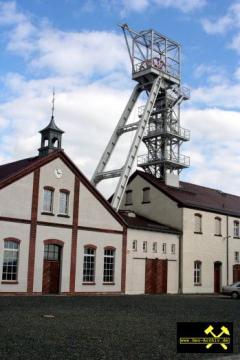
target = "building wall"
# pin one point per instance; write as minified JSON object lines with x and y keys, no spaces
{"x":233,"y":245}
{"x":161,"y":208}
{"x":20,"y":232}
{"x":48,"y":178}
{"x":135,"y":275}
{"x":93,"y":213}
{"x":16,"y":199}
{"x":100,"y":240}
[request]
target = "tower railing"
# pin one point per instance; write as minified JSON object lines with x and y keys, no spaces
{"x":147,"y":159}
{"x":181,"y":132}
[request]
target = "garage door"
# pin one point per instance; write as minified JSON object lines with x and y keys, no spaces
{"x":156,"y":276}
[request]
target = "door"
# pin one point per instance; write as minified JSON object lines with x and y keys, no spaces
{"x":217,"y":276}
{"x":155,"y":276}
{"x":51,"y":269}
{"x":236,"y":273}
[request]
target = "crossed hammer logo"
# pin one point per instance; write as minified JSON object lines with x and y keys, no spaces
{"x":224,"y":331}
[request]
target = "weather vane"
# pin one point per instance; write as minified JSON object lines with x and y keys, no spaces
{"x":53,"y":102}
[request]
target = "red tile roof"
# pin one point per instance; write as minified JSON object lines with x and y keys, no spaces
{"x":196,"y":196}
{"x":142,"y":223}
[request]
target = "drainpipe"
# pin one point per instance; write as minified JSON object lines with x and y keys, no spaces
{"x":227,"y":252}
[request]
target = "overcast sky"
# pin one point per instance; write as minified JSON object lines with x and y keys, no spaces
{"x":77,"y":47}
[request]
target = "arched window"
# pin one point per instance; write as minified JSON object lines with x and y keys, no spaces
{"x":63,"y":202}
{"x":89,"y":264}
{"x":198,"y":223}
{"x":10,"y":260}
{"x":109,"y":265}
{"x":48,"y":192}
{"x":236,"y":228}
{"x":218,"y":226}
{"x":197,"y":272}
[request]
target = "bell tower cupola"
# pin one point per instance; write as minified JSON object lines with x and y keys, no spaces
{"x":51,"y":136}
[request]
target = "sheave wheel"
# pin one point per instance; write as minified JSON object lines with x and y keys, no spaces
{"x":234,"y":295}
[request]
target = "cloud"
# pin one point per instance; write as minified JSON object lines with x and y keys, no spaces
{"x":183,"y":5}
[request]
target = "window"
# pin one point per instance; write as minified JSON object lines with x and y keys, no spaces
{"x":134,"y":245}
{"x":236,"y":256}
{"x":146,"y":195}
{"x":109,"y":263}
{"x":89,"y":264}
{"x":145,"y":246}
{"x":197,"y":272}
{"x":236,"y":228}
{"x":198,"y":223}
{"x":218,"y":230}
{"x":128,"y":197}
{"x":48,"y":199}
{"x":173,"y":248}
{"x":154,"y":247}
{"x":10,"y":261}
{"x":63,"y":202}
{"x":164,"y":248}
{"x":52,"y":252}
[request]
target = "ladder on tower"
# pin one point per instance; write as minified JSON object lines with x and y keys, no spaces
{"x":140,"y":126}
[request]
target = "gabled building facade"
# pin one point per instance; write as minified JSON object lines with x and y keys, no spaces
{"x":58,"y":234}
{"x":208,"y":220}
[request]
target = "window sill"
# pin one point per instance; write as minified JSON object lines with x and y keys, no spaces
{"x":109,"y":283}
{"x":7,"y":282}
{"x":63,"y":216}
{"x":197,"y":284}
{"x":146,"y":202}
{"x":236,"y":237}
{"x":47,"y":213}
{"x":88,"y":283}
{"x":128,"y":204}
{"x":218,"y":235}
{"x":198,"y":232}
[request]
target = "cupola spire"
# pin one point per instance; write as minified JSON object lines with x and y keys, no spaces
{"x":51,"y":135}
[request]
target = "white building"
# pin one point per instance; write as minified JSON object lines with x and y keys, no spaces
{"x":208,"y":221}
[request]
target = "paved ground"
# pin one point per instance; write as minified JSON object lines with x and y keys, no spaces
{"x":126,"y":327}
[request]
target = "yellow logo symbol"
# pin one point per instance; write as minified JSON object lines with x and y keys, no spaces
{"x":225,"y":331}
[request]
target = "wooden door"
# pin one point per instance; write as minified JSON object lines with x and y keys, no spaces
{"x":51,"y":269}
{"x":236,"y":273}
{"x":156,"y":276}
{"x":217,"y":277}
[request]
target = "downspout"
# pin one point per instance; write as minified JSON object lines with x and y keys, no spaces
{"x":227,"y":252}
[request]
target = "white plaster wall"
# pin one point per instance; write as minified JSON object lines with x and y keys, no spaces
{"x":135,"y":278}
{"x":16,"y":198}
{"x":48,"y":178}
{"x":21,"y":232}
{"x":100,"y":240}
{"x":93,"y":214}
{"x":204,"y":247}
{"x":44,"y":233}
{"x":161,"y":208}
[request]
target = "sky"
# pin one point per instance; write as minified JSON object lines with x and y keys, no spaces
{"x":77,"y":47}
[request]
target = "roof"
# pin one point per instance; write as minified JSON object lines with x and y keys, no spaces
{"x":52,"y":126}
{"x":14,"y":171}
{"x":196,"y":196}
{"x":142,"y":223}
{"x":10,"y":169}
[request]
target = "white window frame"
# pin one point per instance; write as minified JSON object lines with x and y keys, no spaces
{"x":164,"y":248}
{"x":109,"y":266}
{"x":198,"y":223}
{"x":66,"y":204}
{"x":48,"y":203}
{"x":173,"y":249}
{"x":154,"y":247}
{"x":197,"y":274}
{"x":10,"y":254}
{"x":144,"y":246}
{"x":134,"y":245}
{"x":236,"y":229}
{"x":89,"y":277}
{"x":236,"y":256}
